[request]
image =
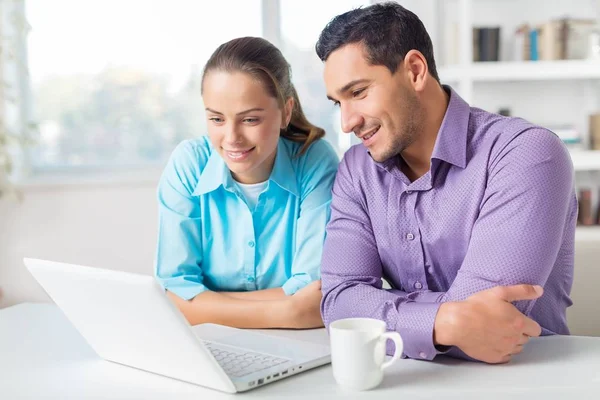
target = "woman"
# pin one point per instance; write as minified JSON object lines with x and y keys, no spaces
{"x":243,"y":212}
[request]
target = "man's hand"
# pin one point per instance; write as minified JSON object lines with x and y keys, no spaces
{"x":304,"y":307}
{"x":486,"y":326}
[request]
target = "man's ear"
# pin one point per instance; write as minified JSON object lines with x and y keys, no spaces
{"x":417,"y":71}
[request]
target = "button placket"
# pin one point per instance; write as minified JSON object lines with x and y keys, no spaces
{"x":416,"y":273}
{"x":250,"y":251}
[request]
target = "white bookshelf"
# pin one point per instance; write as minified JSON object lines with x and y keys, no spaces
{"x":548,"y":93}
{"x":522,"y":71}
{"x":586,"y":160}
{"x":521,"y":86}
{"x":587,"y":233}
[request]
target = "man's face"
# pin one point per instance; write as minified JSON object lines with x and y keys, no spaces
{"x":379,"y":107}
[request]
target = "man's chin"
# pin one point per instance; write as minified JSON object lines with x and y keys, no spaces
{"x":378,"y":157}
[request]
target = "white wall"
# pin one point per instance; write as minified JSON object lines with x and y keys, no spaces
{"x":109,"y":226}
{"x":584,"y":317}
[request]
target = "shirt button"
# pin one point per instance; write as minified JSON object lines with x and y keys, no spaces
{"x":250,"y":279}
{"x":251,"y":243}
{"x":430,"y":270}
{"x":422,"y":355}
{"x":418,"y":285}
{"x":410,"y":236}
{"x":408,"y":191}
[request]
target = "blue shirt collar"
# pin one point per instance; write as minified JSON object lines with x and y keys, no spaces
{"x":216,"y":173}
{"x":283,"y":173}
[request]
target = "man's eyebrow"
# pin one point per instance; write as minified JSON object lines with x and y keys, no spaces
{"x":350,"y":84}
{"x":347,"y":87}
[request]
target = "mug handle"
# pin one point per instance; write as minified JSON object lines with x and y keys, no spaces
{"x":397,"y":339}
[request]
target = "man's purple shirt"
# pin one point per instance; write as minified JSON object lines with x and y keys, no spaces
{"x":497,"y":207}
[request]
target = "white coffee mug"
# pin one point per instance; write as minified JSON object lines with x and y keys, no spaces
{"x":358,"y":351}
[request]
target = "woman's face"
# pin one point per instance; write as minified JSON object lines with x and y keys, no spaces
{"x":244,"y":122}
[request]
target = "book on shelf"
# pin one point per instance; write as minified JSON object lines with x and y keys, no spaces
{"x":559,"y":39}
{"x":552,"y":40}
{"x":595,"y":131}
{"x":585,"y":217}
{"x":486,"y":44}
{"x":569,"y":135}
{"x":522,"y":44}
{"x":598,"y":210}
{"x":534,"y":52}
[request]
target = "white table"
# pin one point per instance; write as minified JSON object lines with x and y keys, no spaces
{"x":42,"y":356}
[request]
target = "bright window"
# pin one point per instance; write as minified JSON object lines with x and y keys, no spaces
{"x":301,"y":25}
{"x":115,"y":83}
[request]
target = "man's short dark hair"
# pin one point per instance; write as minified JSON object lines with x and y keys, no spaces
{"x":387,"y":31}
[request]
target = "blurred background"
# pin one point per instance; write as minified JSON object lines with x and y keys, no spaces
{"x":95,"y":96}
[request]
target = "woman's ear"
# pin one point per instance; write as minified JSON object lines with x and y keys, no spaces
{"x":287,"y":112}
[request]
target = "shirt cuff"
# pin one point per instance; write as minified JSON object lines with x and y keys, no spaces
{"x":185,"y":289}
{"x":415,"y":325}
{"x":425,"y":296}
{"x":295,"y":283}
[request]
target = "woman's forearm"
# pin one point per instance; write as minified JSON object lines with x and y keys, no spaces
{"x":223,"y":309}
{"x":266,"y":294}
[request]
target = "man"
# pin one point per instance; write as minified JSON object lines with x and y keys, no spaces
{"x":462,"y":211}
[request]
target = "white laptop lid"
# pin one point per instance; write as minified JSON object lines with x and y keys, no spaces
{"x":126,"y":318}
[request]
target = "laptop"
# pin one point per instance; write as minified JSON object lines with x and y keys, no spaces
{"x":128,"y":319}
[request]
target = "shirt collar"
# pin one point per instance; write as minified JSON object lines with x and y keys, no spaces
{"x":283,"y":173}
{"x":216,"y":173}
{"x":451,"y":142}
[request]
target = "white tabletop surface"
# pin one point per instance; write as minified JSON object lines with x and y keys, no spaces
{"x":42,"y":356}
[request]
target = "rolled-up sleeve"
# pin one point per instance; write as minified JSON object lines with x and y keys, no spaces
{"x":179,"y":251}
{"x":317,"y":172}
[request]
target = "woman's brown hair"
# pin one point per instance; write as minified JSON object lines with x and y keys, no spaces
{"x":262,"y":60}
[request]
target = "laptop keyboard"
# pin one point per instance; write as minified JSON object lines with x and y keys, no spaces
{"x":238,"y":362}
